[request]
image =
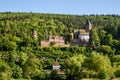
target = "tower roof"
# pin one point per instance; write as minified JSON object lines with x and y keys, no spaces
{"x":88,"y":22}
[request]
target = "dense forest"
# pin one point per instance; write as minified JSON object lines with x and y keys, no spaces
{"x":21,"y":56}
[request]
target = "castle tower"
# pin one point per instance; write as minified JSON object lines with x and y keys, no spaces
{"x":88,"y":26}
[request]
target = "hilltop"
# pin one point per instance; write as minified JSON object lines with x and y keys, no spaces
{"x":22,"y":57}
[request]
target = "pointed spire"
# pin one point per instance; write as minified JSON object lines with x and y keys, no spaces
{"x":88,"y":22}
{"x":88,"y":26}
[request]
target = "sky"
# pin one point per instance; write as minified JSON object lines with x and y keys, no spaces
{"x":76,"y":7}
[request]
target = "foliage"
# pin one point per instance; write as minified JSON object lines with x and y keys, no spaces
{"x":117,"y":72}
{"x":73,"y":67}
{"x":5,"y":71}
{"x":107,"y":50}
{"x":100,"y":65}
{"x":94,"y":38}
{"x":56,"y":76}
{"x":21,"y":57}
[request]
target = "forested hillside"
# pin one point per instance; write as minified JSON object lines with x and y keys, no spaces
{"x":21,"y":56}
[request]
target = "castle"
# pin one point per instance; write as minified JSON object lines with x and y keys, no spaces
{"x":54,"y":41}
{"x":79,"y":37}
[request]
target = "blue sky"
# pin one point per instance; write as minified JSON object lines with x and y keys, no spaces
{"x":78,"y":7}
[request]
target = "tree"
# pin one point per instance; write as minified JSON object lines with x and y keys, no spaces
{"x":9,"y":46}
{"x":115,"y":60}
{"x":102,"y":35}
{"x":11,"y":60}
{"x":117,"y":73}
{"x":109,"y":39}
{"x":94,"y":38}
{"x":99,"y":65}
{"x":73,"y":67}
{"x":116,"y":45}
{"x":107,"y":50}
{"x":32,"y":67}
{"x":5,"y":71}
{"x":17,"y":72}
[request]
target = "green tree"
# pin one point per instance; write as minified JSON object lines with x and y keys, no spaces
{"x":5,"y":71}
{"x":32,"y":67}
{"x":99,"y":65}
{"x":9,"y":46}
{"x":94,"y":38}
{"x":107,"y":50}
{"x":117,"y":72}
{"x":73,"y":67}
{"x":102,"y":35}
{"x":109,"y":39}
{"x":17,"y":72}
